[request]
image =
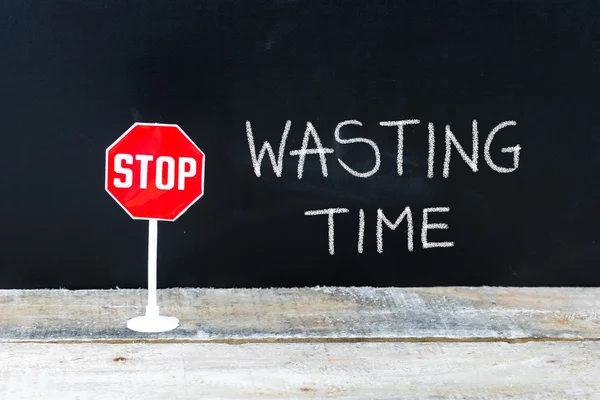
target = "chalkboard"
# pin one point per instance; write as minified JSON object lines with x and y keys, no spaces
{"x":75,"y":75}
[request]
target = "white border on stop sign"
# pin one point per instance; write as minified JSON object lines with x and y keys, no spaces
{"x":125,"y":134}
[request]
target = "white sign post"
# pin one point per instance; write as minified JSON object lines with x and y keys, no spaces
{"x":152,"y":321}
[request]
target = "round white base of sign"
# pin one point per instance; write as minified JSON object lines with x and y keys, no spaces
{"x":152,"y":323}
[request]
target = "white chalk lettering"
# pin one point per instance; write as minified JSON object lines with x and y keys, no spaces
{"x":330,"y":213}
{"x":400,"y":125}
{"x":431,"y":153}
{"x":361,"y":230}
{"x":426,"y":226}
{"x":382,"y":219}
{"x":450,"y":138}
{"x":515,"y":150}
{"x":266,"y":148}
{"x":304,"y":150}
{"x":357,"y":140}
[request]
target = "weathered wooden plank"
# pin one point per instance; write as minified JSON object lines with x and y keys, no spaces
{"x":399,"y":370}
{"x":451,"y":313}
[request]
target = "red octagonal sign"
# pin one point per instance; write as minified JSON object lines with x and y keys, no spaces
{"x":155,"y":171}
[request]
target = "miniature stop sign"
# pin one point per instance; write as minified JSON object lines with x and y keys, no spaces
{"x":155,"y":171}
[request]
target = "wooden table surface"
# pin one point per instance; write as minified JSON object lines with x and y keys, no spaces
{"x":324,"y":342}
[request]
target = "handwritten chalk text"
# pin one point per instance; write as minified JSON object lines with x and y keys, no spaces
{"x":385,"y":224}
{"x":405,"y":217}
{"x":469,"y":156}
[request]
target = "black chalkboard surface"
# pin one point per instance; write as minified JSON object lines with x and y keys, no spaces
{"x":74,"y":75}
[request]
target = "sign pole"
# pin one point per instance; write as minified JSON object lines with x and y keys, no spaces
{"x":152,"y":321}
{"x":152,"y":308}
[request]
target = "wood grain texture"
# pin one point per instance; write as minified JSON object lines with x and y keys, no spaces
{"x":326,"y":313}
{"x":347,"y":343}
{"x":534,"y":370}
